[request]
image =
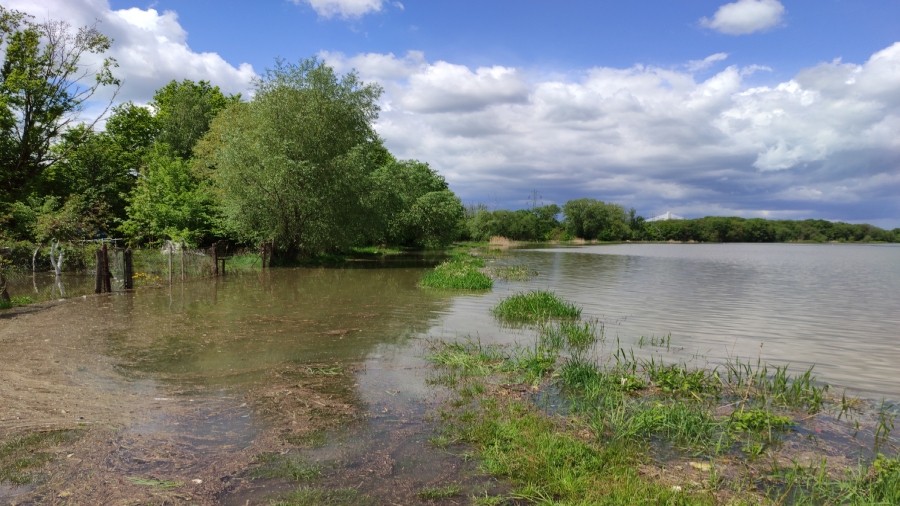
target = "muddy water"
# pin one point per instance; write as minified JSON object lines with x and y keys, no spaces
{"x":184,"y":363}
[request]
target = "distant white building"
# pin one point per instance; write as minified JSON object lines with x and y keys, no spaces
{"x":667,"y":216}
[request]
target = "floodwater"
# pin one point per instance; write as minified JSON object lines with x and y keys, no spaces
{"x":831,"y":306}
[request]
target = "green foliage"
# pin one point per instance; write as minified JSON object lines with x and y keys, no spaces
{"x":292,"y":165}
{"x":184,"y":111}
{"x":170,"y":202}
{"x":44,"y":85}
{"x":757,"y":420}
{"x":535,"y":306}
{"x":593,"y":219}
{"x":734,"y":229}
{"x":535,"y":224}
{"x":457,"y":274}
{"x":679,"y":379}
{"x":411,"y":205}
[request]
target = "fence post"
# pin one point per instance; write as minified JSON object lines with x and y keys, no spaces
{"x":107,"y":285}
{"x":215,"y":258}
{"x":128,"y":269}
{"x":182,"y":260}
{"x":170,"y":261}
{"x":98,"y":279}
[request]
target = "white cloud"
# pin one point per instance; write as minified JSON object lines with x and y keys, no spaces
{"x":151,"y":47}
{"x":649,"y":137}
{"x":706,"y":63}
{"x":345,"y":8}
{"x":745,"y":16}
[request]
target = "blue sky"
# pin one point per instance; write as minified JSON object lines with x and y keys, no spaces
{"x":779,"y":109}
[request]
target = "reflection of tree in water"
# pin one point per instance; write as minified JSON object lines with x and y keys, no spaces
{"x":239,"y":327}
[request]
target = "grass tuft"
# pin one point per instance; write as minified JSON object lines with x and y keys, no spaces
{"x":459,"y":273}
{"x":535,"y":306}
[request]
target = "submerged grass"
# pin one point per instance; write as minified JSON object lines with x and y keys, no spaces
{"x":535,"y":306}
{"x":610,"y":419}
{"x":22,"y":456}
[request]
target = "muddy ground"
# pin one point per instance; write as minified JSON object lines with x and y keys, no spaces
{"x":149,"y":439}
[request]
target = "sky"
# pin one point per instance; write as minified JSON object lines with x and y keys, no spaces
{"x":754,"y":108}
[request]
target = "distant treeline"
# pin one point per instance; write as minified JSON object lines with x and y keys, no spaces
{"x":592,"y":219}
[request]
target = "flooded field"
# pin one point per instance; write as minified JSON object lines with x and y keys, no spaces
{"x":230,"y":391}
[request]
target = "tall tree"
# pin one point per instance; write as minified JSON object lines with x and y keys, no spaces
{"x":45,"y":83}
{"x":184,"y":111}
{"x":293,"y":164}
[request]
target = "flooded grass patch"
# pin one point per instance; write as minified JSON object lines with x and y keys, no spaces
{"x":535,"y":306}
{"x":462,"y":272}
{"x":568,"y":423}
{"x":312,"y":496}
{"x":22,"y":457}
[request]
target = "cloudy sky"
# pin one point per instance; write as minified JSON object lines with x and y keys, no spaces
{"x":754,"y":108}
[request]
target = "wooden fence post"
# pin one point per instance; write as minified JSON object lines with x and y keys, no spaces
{"x":98,"y":279}
{"x":214,"y":252}
{"x":128,"y":269}
{"x":107,"y":285}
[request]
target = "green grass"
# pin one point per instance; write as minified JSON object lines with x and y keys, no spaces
{"x":284,"y":466}
{"x":437,"y":493}
{"x":610,"y":416}
{"x":535,"y":306}
{"x":22,"y":456}
{"x":458,"y":274}
{"x":310,"y":496}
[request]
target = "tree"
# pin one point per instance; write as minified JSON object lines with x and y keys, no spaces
{"x":594,"y":219}
{"x":44,"y":85}
{"x":184,"y":112}
{"x":293,"y":165}
{"x":398,"y":201}
{"x":170,"y":202}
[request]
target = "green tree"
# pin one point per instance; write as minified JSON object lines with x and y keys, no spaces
{"x":397,"y":187}
{"x":170,"y":202}
{"x":184,"y":111}
{"x":44,"y":86}
{"x":293,"y":165}
{"x":594,"y":219}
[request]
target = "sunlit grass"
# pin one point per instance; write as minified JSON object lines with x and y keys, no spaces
{"x":458,"y":274}
{"x":535,"y":306}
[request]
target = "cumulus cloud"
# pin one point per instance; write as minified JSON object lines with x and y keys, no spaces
{"x":345,"y":8}
{"x":151,"y":47}
{"x":745,"y":16}
{"x":653,"y":138}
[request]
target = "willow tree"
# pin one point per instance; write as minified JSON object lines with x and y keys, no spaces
{"x":293,"y":164}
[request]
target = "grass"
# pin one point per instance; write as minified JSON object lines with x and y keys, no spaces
{"x":535,"y":306}
{"x":438,"y":493}
{"x":459,"y":273}
{"x":513,"y":272}
{"x":21,"y":457}
{"x":311,"y":496}
{"x":284,"y":466}
{"x":565,"y":423}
